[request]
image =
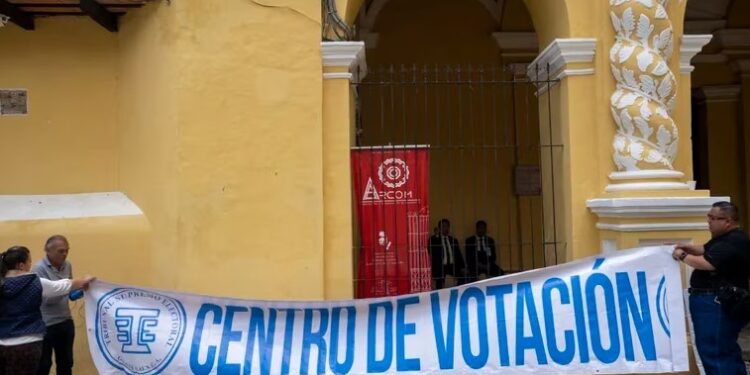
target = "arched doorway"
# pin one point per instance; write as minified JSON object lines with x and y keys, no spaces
{"x":450,"y":75}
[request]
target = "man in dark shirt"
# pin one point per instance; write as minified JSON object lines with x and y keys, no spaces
{"x":446,"y":255}
{"x":725,"y":259}
{"x":481,"y":255}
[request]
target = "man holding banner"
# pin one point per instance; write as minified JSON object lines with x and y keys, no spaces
{"x":725,"y":259}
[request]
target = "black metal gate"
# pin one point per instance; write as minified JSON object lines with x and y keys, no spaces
{"x":487,"y":150}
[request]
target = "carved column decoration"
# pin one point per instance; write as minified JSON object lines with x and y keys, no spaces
{"x":645,"y":144}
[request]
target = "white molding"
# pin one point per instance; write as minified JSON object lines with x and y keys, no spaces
{"x":648,"y":173}
{"x":652,"y":227}
{"x":648,"y":242}
{"x":517,"y":41}
{"x":557,"y":55}
{"x":339,"y":75}
{"x":722,"y":93}
{"x":560,"y":53}
{"x":66,"y":206}
{"x":690,"y":46}
{"x":639,"y":208}
{"x":641,"y":186}
{"x":350,"y":55}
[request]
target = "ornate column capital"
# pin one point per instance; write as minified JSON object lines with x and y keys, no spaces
{"x":690,"y":46}
{"x":348,"y":55}
{"x":560,"y":59}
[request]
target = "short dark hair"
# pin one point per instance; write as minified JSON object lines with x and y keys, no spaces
{"x":446,"y":221}
{"x":728,"y":208}
{"x":481,"y":222}
{"x":56,"y":237}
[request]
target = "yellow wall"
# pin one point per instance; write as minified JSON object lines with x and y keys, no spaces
{"x":208,"y":115}
{"x":65,"y":143}
{"x":148,"y":71}
{"x":211,"y":145}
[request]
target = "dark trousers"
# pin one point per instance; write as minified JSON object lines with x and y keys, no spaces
{"x":716,"y":336}
{"x":20,"y":359}
{"x":59,"y":338}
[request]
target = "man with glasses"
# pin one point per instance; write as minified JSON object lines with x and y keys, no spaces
{"x":725,"y":259}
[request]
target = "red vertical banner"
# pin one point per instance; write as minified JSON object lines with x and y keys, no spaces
{"x":391,"y":190}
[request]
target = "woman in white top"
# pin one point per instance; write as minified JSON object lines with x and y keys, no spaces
{"x":21,"y":325}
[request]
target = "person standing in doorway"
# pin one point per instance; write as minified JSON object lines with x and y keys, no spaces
{"x":446,"y":255}
{"x":725,"y":259}
{"x":481,"y":255}
{"x":55,"y":311}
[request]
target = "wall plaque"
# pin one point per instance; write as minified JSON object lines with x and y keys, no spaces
{"x":13,"y":102}
{"x":528,"y":180}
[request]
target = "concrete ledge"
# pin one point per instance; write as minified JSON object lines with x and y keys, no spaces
{"x":66,"y":206}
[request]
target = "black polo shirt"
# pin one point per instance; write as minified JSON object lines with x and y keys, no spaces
{"x":730,"y":255}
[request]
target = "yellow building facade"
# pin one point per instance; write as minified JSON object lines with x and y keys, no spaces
{"x":204,"y":146}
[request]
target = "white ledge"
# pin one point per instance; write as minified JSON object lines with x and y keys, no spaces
{"x":646,"y":174}
{"x":646,"y":186}
{"x":350,"y":55}
{"x":652,"y":227}
{"x":552,"y":63}
{"x":638,"y":208}
{"x":66,"y":206}
{"x":691,"y":45}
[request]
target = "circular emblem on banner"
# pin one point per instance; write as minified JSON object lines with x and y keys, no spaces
{"x":139,"y":331}
{"x":393,"y":172}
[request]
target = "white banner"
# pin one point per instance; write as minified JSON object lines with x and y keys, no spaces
{"x":622,"y":313}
